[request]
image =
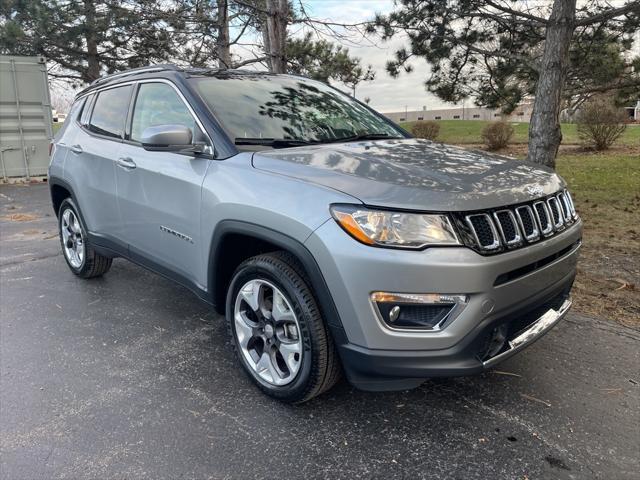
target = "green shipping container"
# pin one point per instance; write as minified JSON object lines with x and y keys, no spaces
{"x":25,"y":117}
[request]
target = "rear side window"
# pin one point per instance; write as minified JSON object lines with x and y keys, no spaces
{"x":86,"y":111}
{"x":74,"y":116}
{"x":159,"y":104}
{"x":110,"y":111}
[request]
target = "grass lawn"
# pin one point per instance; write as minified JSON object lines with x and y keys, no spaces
{"x":606,"y":189}
{"x":468,"y":131}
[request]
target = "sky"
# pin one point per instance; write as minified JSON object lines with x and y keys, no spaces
{"x":387,"y":94}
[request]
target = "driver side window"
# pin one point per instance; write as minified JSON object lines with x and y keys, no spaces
{"x":159,"y":104}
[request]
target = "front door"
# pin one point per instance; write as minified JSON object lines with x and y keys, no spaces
{"x":159,"y":193}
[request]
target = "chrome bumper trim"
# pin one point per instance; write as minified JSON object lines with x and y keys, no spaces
{"x":538,"y":328}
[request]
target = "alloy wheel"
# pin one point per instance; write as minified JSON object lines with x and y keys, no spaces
{"x":268,"y":332}
{"x":72,"y":239}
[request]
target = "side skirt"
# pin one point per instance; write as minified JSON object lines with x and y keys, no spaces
{"x":110,"y":247}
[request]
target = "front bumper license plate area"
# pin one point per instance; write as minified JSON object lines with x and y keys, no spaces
{"x":529,"y":335}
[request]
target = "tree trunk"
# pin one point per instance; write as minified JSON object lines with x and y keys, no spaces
{"x":544,"y":130}
{"x":222,"y":46}
{"x":276,"y":31}
{"x":92,"y":71}
{"x":267,"y":46}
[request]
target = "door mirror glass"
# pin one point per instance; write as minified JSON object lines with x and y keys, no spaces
{"x":169,"y":138}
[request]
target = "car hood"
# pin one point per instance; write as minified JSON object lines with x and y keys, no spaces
{"x":414,"y":174}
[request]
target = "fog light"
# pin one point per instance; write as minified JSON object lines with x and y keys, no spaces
{"x":425,"y":311}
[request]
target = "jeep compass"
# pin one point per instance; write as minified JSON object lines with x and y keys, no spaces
{"x":332,"y":241}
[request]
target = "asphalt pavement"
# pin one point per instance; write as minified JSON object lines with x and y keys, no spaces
{"x":131,"y":376}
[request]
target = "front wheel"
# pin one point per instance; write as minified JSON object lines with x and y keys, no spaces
{"x":81,"y":258}
{"x":277,"y":329}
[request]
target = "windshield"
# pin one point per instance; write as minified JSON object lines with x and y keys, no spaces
{"x":284,"y":111}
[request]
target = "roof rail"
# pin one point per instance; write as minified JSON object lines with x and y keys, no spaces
{"x":150,"y":68}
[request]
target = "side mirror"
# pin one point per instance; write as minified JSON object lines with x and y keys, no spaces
{"x":169,"y":138}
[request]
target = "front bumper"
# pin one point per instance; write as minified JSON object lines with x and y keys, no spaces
{"x":379,"y":370}
{"x":378,"y":358}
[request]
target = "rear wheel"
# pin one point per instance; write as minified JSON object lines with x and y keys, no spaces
{"x":277,"y":330}
{"x":82,"y":259}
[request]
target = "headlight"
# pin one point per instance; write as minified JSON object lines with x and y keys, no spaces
{"x":395,"y":229}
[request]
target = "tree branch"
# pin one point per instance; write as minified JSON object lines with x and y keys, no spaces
{"x":249,"y":61}
{"x":534,"y":18}
{"x":609,"y":14}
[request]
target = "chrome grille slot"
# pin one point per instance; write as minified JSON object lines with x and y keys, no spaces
{"x":572,"y":206}
{"x":497,"y":230}
{"x":527,"y":223}
{"x":556,"y":214}
{"x":483,"y":231}
{"x":543,"y":217}
{"x":506,"y":222}
{"x":566,"y":210}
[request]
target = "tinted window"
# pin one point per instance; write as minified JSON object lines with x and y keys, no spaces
{"x":86,"y":111}
{"x":110,"y":111}
{"x":279,"y":107}
{"x":159,"y":104}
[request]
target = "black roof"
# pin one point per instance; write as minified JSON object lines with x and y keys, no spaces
{"x":167,"y":68}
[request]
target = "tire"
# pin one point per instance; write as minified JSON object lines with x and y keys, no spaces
{"x":74,"y":239}
{"x":280,"y":276}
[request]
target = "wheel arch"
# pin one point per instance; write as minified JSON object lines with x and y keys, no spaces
{"x":59,"y":190}
{"x":235,"y":241}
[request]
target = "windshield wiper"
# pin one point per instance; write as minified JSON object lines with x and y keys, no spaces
{"x":365,"y":136}
{"x":272,"y":142}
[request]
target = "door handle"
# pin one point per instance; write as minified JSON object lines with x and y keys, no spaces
{"x":77,"y":149}
{"x":126,"y":162}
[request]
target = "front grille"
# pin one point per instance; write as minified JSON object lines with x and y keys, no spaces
{"x":527,"y":223}
{"x":543,"y":217}
{"x":483,"y":230}
{"x":556,"y":216}
{"x":506,"y":221}
{"x":492,"y":231}
{"x":564,"y":204}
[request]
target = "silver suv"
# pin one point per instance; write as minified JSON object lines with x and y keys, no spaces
{"x":331,"y":240}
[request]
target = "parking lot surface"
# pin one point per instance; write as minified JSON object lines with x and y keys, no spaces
{"x":131,"y":376}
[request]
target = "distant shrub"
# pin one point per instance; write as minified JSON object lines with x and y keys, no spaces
{"x":496,"y":135}
{"x":427,"y":129}
{"x":600,"y":123}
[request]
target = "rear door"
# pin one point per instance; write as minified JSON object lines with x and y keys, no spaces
{"x":159,"y":193}
{"x":90,"y":164}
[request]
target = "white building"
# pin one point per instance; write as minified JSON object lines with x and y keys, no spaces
{"x":522,"y":113}
{"x":634,"y":112}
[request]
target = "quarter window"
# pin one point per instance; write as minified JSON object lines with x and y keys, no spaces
{"x":86,"y":111}
{"x":110,"y":112}
{"x":159,"y":104}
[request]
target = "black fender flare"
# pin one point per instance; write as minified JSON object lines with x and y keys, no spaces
{"x":285,"y":242}
{"x":57,"y":181}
